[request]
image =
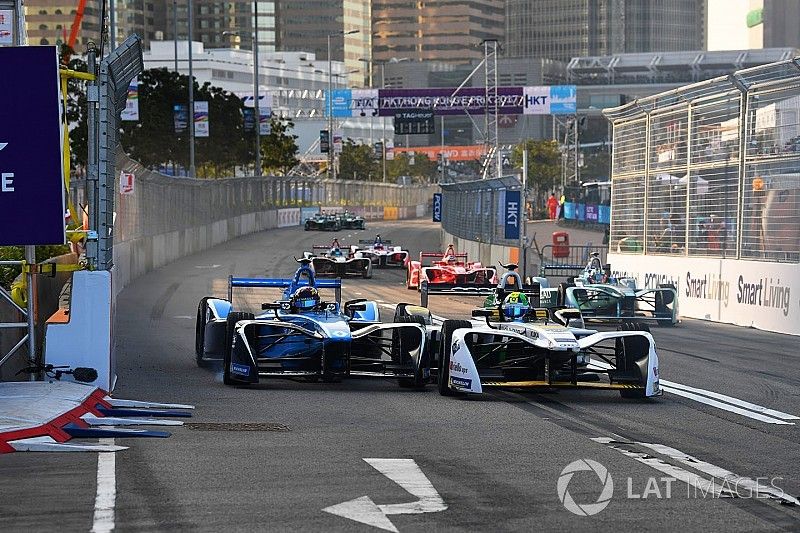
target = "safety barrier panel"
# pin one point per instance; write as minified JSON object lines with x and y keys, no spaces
{"x":567,"y":261}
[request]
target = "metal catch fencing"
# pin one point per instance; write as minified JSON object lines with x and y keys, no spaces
{"x":474,"y":210}
{"x":160,"y":204}
{"x":567,"y":261}
{"x":711,"y":169}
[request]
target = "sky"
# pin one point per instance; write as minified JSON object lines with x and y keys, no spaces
{"x":727,"y":27}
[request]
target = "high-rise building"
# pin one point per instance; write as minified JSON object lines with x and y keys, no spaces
{"x":222,"y":24}
{"x":307,"y":24}
{"x":780,"y":19}
{"x":436,"y":30}
{"x":563,"y":29}
{"x":49,"y":22}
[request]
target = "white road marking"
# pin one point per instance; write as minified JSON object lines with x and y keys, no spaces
{"x":730,"y":478}
{"x":207,"y":266}
{"x":407,"y":474}
{"x":106,"y":498}
{"x":720,"y":401}
{"x":183,"y":317}
{"x":703,"y":485}
{"x":731,"y":400}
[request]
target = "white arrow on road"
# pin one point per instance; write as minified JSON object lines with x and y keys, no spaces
{"x":3,"y":145}
{"x":408,"y":475}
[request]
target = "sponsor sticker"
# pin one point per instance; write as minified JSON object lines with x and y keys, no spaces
{"x":461,"y":383}
{"x":242,"y":370}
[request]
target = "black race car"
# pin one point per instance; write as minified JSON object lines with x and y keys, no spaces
{"x":323,"y":222}
{"x":350,"y":220}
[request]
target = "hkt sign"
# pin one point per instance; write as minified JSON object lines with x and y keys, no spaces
{"x":31,"y":160}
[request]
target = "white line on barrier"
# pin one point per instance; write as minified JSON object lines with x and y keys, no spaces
{"x":106,"y":498}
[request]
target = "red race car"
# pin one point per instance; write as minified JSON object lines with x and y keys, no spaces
{"x":449,"y":267}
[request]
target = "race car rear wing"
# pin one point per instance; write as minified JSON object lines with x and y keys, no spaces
{"x":372,"y":241}
{"x":439,"y":255}
{"x":532,"y":291}
{"x":282,"y":283}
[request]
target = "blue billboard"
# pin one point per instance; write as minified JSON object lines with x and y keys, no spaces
{"x":31,"y":160}
{"x":511,"y":215}
{"x":437,"y":207}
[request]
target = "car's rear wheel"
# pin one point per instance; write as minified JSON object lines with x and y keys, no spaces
{"x":230,"y":330}
{"x":448,"y":327}
{"x":418,"y":381}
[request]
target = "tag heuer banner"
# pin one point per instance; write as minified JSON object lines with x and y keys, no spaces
{"x":544,"y":100}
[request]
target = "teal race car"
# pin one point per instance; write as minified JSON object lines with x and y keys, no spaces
{"x":602,"y":297}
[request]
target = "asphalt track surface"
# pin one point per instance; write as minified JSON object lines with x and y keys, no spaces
{"x":495,"y":461}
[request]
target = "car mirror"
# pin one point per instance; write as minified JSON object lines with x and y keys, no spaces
{"x":357,"y":307}
{"x":482,"y":313}
{"x":271,"y":305}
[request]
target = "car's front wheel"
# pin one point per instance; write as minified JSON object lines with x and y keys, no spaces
{"x":230,"y":331}
{"x":448,"y":328}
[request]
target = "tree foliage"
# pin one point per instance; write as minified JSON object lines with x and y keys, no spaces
{"x":422,"y":170}
{"x":544,"y":167}
{"x":279,"y":148}
{"x":357,"y":161}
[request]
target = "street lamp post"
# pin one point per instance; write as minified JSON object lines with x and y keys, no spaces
{"x":175,"y":31}
{"x":331,"y":154}
{"x":383,"y":119}
{"x":256,"y":106}
{"x":190,"y":32}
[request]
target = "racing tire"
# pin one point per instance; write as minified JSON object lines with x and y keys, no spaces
{"x":448,"y":327}
{"x":231,"y":321}
{"x":633,"y":394}
{"x":418,"y":381}
{"x":562,"y":293}
{"x":199,"y":334}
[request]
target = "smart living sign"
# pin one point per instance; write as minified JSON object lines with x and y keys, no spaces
{"x":544,"y":100}
{"x":747,"y":293}
{"x":31,"y":171}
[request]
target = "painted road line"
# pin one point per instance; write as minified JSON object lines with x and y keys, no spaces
{"x":731,"y":400}
{"x":728,"y":477}
{"x":407,"y":474}
{"x":730,"y":404}
{"x":703,"y":485}
{"x":106,"y":497}
{"x":726,"y":406}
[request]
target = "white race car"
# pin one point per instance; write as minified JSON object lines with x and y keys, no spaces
{"x":382,"y":253}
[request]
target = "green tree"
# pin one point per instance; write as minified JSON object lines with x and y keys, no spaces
{"x":357,"y":161}
{"x":544,"y":167}
{"x":279,"y":148}
{"x":597,"y":166}
{"x":77,"y":107}
{"x":152,"y":139}
{"x":422,"y":169}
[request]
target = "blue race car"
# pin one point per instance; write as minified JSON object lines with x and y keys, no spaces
{"x":302,"y":336}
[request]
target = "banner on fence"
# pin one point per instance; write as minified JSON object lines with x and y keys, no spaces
{"x":512,"y":215}
{"x":437,"y":207}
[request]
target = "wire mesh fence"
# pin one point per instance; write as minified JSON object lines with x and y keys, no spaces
{"x":161,"y":204}
{"x":711,"y":169}
{"x":475,"y":210}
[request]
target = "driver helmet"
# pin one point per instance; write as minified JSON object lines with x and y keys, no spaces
{"x":304,"y":299}
{"x":378,"y":242}
{"x":450,"y":255}
{"x":516,"y":305}
{"x":335,"y":252}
